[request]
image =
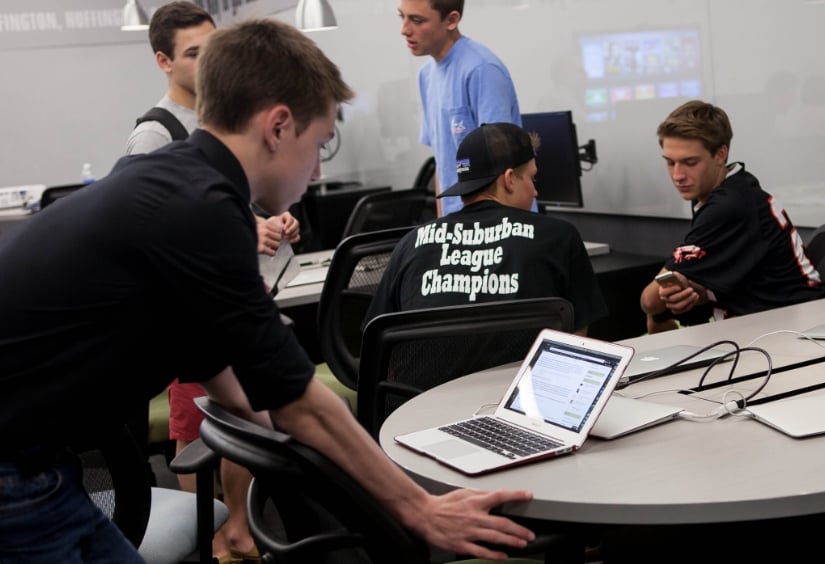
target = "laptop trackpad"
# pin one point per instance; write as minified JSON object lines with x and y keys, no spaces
{"x":451,"y":448}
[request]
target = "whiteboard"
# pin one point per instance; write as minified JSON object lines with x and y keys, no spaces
{"x":761,"y":60}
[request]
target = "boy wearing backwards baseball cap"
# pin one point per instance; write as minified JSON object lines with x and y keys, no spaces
{"x":494,"y":248}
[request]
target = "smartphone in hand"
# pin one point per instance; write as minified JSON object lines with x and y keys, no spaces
{"x":668,"y":278}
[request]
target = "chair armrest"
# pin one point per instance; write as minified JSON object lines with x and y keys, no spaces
{"x":193,"y":458}
{"x":197,"y":458}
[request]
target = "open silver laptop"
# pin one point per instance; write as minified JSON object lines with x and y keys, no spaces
{"x":622,"y":416}
{"x":647,"y":364}
{"x":549,"y":408}
{"x":797,"y":417}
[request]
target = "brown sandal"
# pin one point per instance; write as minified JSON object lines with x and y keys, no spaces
{"x":251,"y":556}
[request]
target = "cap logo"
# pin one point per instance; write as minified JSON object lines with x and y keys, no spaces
{"x":462,"y":165}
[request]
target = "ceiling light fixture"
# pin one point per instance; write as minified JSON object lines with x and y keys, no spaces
{"x":134,"y":18}
{"x":314,"y":15}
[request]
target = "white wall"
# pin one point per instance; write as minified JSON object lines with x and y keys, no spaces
{"x":65,"y":105}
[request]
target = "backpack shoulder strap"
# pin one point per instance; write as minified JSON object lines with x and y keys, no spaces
{"x":167,"y":119}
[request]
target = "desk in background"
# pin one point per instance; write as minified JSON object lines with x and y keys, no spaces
{"x":300,"y":303}
{"x":624,"y":266}
{"x":306,"y":294}
{"x":621,"y":276}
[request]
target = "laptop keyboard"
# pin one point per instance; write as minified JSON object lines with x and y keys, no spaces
{"x":499,"y":437}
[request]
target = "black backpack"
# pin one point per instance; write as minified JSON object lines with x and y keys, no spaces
{"x":167,"y":120}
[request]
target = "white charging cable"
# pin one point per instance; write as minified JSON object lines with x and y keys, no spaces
{"x":728,"y":407}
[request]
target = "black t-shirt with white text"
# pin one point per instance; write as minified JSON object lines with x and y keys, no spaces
{"x":489,"y":252}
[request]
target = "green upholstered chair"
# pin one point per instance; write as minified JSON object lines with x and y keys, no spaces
{"x":158,"y":433}
{"x":325,"y":375}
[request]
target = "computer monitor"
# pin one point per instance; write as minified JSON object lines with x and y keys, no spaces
{"x":558,"y":181}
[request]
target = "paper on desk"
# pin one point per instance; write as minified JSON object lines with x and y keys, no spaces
{"x":280,"y":269}
{"x":310,"y":275}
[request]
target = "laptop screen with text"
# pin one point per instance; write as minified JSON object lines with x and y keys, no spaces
{"x":562,"y":385}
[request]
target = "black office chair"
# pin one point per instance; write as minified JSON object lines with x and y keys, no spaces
{"x":386,"y":210}
{"x":405,"y":353}
{"x":116,"y":478}
{"x":353,"y":276}
{"x":425,"y":179}
{"x":425,"y":182}
{"x":303,"y":508}
{"x":324,"y":211}
{"x":165,"y":525}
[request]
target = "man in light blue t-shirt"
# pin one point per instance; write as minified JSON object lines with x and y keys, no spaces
{"x":464,"y":85}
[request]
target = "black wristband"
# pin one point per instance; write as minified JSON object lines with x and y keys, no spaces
{"x":663,"y":316}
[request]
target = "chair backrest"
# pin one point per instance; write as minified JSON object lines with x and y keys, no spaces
{"x":54,"y":193}
{"x":425,"y":179}
{"x":166,"y":525}
{"x":352,"y":278}
{"x":405,"y":353}
{"x":815,"y":249}
{"x":386,"y":210}
{"x":322,"y":510}
{"x":117,"y":479}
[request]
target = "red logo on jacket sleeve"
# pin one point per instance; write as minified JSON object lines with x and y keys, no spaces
{"x":687,"y":252}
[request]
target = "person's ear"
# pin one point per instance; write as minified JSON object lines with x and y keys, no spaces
{"x":722,"y":154}
{"x":277,"y":120}
{"x":508,"y":177}
{"x":452,"y":20}
{"x":164,"y":61}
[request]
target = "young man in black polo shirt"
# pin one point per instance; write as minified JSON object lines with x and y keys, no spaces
{"x":152,"y":273}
